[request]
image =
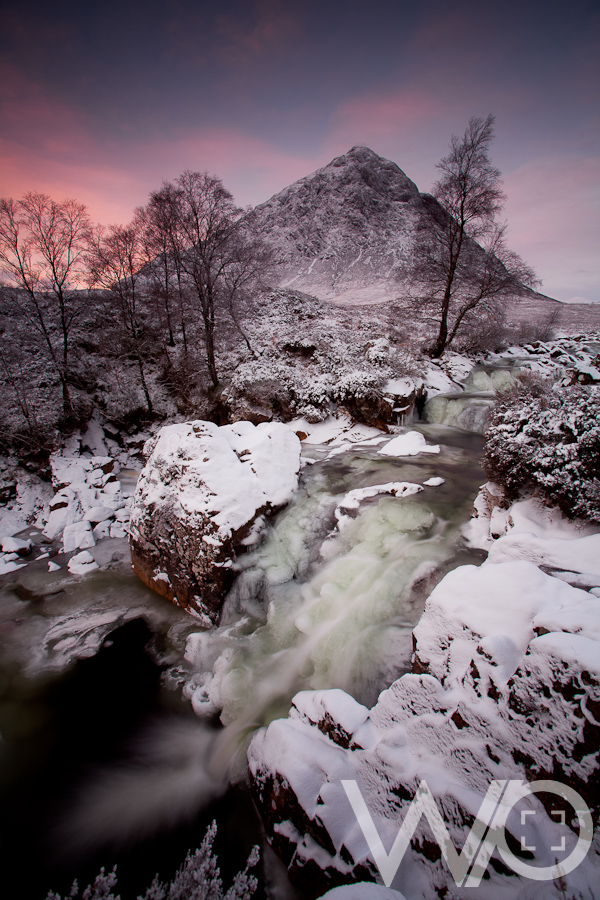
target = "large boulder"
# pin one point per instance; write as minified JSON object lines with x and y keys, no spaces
{"x":200,"y":497}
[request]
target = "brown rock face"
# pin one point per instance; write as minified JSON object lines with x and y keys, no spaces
{"x":202,"y":493}
{"x":179,"y":566}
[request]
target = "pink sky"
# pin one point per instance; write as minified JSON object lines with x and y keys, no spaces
{"x":261,"y":96}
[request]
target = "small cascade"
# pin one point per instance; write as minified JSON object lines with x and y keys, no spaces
{"x":470,"y":408}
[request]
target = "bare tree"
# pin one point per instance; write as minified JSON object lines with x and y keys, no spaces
{"x":464,"y":270}
{"x":42,"y":246}
{"x":13,"y":376}
{"x":218,"y":260}
{"x":165,"y":243}
{"x":158,"y":274}
{"x":116,"y":260}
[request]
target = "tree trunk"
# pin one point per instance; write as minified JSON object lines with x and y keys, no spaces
{"x":144,"y":385}
{"x":437,"y":350}
{"x":207,"y":305}
{"x":182,"y":315}
{"x":66,"y":394}
{"x":168,"y":310}
{"x":210,"y":358}
{"x":442,"y":341}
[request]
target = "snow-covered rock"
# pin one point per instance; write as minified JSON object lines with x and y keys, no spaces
{"x":364,"y":890}
{"x":528,"y":529}
{"x":348,"y":507}
{"x":23,"y":496}
{"x":87,"y":495}
{"x":489,"y":519}
{"x":67,"y":512}
{"x":410,"y":444}
{"x":447,"y":374}
{"x":99,"y":514}
{"x":102,"y":529}
{"x":118,"y":530}
{"x":82,"y":563}
{"x":15,"y":545}
{"x":401,"y":395}
{"x":78,"y":536}
{"x":435,"y":481}
{"x":9,"y":565}
{"x":338,"y":432}
{"x":505,"y":684}
{"x":202,"y":489}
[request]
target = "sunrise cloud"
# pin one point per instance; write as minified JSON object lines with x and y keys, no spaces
{"x":261,"y":93}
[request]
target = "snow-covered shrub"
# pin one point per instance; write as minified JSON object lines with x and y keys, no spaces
{"x":312,"y":414}
{"x":252,"y":376}
{"x":316,"y":392}
{"x":378,"y":352}
{"x":266,"y":382}
{"x":303,"y":348}
{"x":199,"y":878}
{"x":311,"y":355}
{"x":358,"y":384}
{"x":546,"y":439}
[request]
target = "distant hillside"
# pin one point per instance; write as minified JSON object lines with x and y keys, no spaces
{"x":565,"y":316}
{"x":347,"y":234}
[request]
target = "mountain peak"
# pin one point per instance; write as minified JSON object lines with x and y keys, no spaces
{"x":362,"y":152}
{"x":345,"y":228}
{"x":380,"y":174}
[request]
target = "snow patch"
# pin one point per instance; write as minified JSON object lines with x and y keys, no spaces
{"x":410,"y":444}
{"x":82,"y":564}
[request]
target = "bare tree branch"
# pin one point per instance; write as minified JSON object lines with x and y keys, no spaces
{"x":464,"y":269}
{"x":42,"y":247}
{"x":116,"y":261}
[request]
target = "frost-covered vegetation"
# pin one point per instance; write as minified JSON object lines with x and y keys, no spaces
{"x":309,"y":356}
{"x":297,"y":356}
{"x":197,"y":310}
{"x":169,"y":315}
{"x":199,"y":878}
{"x":544,"y":438}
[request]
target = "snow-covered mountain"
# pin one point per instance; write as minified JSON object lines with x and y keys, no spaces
{"x":347,"y":232}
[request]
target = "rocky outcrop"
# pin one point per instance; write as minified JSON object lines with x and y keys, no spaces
{"x":89,"y":504}
{"x":201,"y":498}
{"x":505,"y":685}
{"x":81,"y":486}
{"x":391,"y":404}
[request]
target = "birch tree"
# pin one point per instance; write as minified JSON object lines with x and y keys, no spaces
{"x":42,"y":255}
{"x":465,"y":272}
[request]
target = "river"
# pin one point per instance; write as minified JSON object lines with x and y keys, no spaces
{"x":103,"y":760}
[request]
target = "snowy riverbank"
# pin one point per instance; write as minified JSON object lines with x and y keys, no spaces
{"x":505,"y":683}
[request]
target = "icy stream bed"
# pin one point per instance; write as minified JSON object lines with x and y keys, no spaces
{"x":328,"y":599}
{"x":102,"y":758}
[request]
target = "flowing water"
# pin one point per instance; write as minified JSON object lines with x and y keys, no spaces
{"x":103,"y":759}
{"x":319,"y":605}
{"x":470,"y":408}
